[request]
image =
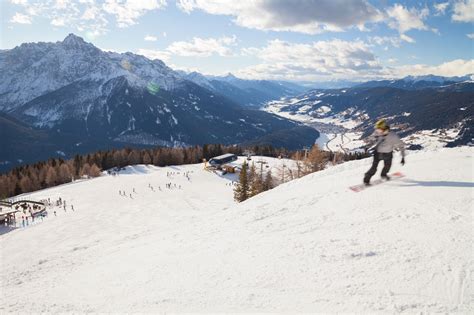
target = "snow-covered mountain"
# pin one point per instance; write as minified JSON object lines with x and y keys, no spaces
{"x":105,"y":99}
{"x":418,"y":82}
{"x":310,"y":245}
{"x":248,"y":93}
{"x":425,"y":117}
{"x":34,"y":69}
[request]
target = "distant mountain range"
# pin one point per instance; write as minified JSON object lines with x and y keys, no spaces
{"x":73,"y":90}
{"x":248,"y":93}
{"x":418,"y":82}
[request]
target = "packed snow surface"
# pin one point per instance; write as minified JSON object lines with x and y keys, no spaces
{"x":310,"y":245}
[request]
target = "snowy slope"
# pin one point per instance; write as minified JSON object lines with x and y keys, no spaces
{"x":308,"y":245}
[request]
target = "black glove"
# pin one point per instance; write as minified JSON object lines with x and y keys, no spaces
{"x":403,"y":161}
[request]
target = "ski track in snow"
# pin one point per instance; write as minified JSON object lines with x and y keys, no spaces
{"x":308,"y":245}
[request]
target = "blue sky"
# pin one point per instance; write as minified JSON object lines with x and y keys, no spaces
{"x":317,"y":40}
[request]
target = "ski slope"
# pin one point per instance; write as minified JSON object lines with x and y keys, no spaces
{"x":310,"y":245}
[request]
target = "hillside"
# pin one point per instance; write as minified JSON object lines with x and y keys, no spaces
{"x":310,"y":245}
{"x":426,"y":118}
{"x":18,"y":137}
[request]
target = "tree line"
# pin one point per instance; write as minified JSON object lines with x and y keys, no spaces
{"x":57,"y":171}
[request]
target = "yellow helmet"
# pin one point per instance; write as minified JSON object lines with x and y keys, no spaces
{"x":381,"y":124}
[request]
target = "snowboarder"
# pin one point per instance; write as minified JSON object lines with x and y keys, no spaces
{"x":385,"y":142}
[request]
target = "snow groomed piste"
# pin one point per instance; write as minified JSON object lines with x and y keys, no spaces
{"x":310,"y":245}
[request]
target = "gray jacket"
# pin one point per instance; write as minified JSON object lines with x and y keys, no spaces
{"x":387,"y":143}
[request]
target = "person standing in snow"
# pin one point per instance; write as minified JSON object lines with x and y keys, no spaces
{"x":385,"y":142}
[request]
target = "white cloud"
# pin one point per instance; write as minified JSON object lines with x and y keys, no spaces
{"x":58,"y":22}
{"x":90,"y":13}
{"x":19,"y":2}
{"x":471,"y":35}
{"x":304,"y":16}
{"x":463,"y":11}
{"x":317,"y":60}
{"x":407,"y":38}
{"x":151,"y":38}
{"x":203,"y":47}
{"x":89,"y":16}
{"x":164,"y":34}
{"x":84,"y":15}
{"x":441,"y":7}
{"x":129,"y":11}
{"x":155,"y":54}
{"x":21,"y":19}
{"x":404,"y":19}
{"x":458,"y":67}
{"x":338,"y":59}
{"x":61,"y":4}
{"x":383,"y":40}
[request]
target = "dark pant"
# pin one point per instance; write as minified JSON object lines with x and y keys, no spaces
{"x":387,"y":163}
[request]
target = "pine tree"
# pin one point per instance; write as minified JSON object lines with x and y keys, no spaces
{"x":51,"y":176}
{"x":298,"y":157}
{"x":241,"y":191}
{"x":77,"y":164}
{"x":156,"y":158}
{"x":64,"y":174}
{"x":95,"y":170}
{"x":133,"y":158}
{"x":255,"y":182}
{"x":85,"y":170}
{"x":3,"y":187}
{"x":268,"y":183}
{"x":146,"y":158}
{"x":25,"y":184}
{"x":316,"y":160}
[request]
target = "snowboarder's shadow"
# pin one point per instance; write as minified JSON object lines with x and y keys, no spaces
{"x":443,"y":183}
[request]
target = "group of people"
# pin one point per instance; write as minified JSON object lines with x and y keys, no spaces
{"x":30,"y":213}
{"x":170,"y":185}
{"x":185,"y":174}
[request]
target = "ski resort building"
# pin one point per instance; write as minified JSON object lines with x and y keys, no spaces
{"x":222,"y":159}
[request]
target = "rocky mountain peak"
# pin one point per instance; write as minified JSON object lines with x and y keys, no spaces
{"x":74,"y":41}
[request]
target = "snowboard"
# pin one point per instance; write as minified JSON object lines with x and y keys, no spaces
{"x":360,"y":187}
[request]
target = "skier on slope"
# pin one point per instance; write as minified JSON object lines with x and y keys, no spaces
{"x":384,"y":142}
